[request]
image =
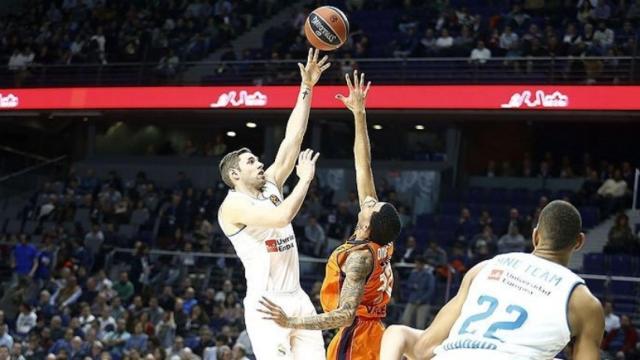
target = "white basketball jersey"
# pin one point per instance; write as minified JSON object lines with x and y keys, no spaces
{"x":269,"y":255}
{"x":516,"y":308}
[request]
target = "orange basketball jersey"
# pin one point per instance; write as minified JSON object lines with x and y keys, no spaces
{"x":377,"y":291}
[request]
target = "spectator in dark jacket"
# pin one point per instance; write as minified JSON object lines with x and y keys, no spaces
{"x":409,"y":252}
{"x":421,"y":285}
{"x":621,"y":239}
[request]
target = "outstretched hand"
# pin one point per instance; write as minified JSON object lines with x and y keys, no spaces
{"x":306,"y":167}
{"x":311,"y":72}
{"x":357,"y":93}
{"x":273,"y":312}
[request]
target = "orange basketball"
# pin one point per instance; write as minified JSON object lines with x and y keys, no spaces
{"x":326,"y":28}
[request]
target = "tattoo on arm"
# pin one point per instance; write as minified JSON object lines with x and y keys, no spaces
{"x":305,"y":93}
{"x":357,"y":268}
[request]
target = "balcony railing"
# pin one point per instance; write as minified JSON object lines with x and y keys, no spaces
{"x":543,"y":70}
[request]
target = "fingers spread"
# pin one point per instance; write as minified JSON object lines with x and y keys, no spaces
{"x":361,"y":80}
{"x":268,"y":303}
{"x":265,"y":312}
{"x":323,"y":60}
{"x":315,"y":158}
{"x":349,"y":82}
{"x":325,"y":66}
{"x":355,"y":79}
{"x":366,"y":90}
{"x":315,"y":55}
{"x":310,"y":55}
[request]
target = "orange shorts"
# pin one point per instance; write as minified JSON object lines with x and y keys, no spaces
{"x":360,"y":341}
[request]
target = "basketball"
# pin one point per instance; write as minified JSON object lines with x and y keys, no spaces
{"x":326,"y":28}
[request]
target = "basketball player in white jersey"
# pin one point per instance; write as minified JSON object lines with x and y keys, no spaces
{"x":257,"y":219}
{"x":515,"y":306}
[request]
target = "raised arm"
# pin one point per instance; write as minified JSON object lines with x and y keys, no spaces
{"x":356,"y":102}
{"x":241,"y":212}
{"x":289,"y":149}
{"x":357,"y":268}
{"x":587,"y":324}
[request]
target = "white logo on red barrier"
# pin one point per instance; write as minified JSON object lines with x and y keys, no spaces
{"x":232,"y":98}
{"x":9,"y":101}
{"x":518,"y":100}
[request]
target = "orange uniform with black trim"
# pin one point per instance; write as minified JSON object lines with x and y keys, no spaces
{"x":361,"y":340}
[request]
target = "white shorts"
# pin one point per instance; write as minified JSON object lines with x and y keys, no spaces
{"x":270,"y":341}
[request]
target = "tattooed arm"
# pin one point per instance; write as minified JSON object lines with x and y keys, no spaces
{"x":297,"y":125}
{"x":357,"y":268}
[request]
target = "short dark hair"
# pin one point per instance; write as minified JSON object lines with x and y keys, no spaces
{"x":384,"y":225}
{"x":230,"y":161}
{"x":560,"y":224}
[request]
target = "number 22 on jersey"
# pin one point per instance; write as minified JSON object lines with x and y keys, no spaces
{"x":490,"y":332}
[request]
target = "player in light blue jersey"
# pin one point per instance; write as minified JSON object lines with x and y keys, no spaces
{"x":515,"y":306}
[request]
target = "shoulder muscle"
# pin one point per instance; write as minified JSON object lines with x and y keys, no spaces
{"x":358,"y":265}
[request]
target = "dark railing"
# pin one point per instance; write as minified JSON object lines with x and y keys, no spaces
{"x":544,"y":70}
{"x":24,"y":180}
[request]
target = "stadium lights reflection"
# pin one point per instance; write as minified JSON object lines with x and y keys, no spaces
{"x":377,"y":127}
{"x":251,"y":125}
{"x":419,"y":127}
{"x":231,"y":133}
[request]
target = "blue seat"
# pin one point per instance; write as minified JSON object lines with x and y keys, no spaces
{"x":622,"y":265}
{"x":594,"y":263}
{"x":590,"y":215}
{"x":520,"y":195}
{"x":625,"y":309}
{"x":448,"y":222}
{"x":623,"y":288}
{"x":596,"y":287}
{"x":475,"y":208}
{"x":450,"y":208}
{"x":476,"y":195}
{"x":560,"y":194}
{"x":498,"y":195}
{"x":497,"y":210}
{"x":444,"y":238}
{"x":425,"y":221}
{"x":537,"y":194}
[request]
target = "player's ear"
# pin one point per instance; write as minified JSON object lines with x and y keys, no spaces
{"x":579,"y":242}
{"x":535,"y":237}
{"x":235,"y":174}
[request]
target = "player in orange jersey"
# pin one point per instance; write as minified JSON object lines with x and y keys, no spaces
{"x":358,"y":281}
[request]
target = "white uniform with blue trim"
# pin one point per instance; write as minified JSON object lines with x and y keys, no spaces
{"x":516,"y":309}
{"x":272,"y":270}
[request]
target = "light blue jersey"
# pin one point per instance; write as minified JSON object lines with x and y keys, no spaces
{"x":516,"y":308}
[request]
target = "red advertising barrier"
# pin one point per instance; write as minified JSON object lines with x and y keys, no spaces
{"x":428,"y":97}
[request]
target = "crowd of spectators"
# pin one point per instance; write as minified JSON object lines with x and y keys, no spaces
{"x":102,"y":31}
{"x":524,"y":29}
{"x":70,"y":293}
{"x":606,"y":184}
{"x":439,"y":28}
{"x":621,"y":339}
